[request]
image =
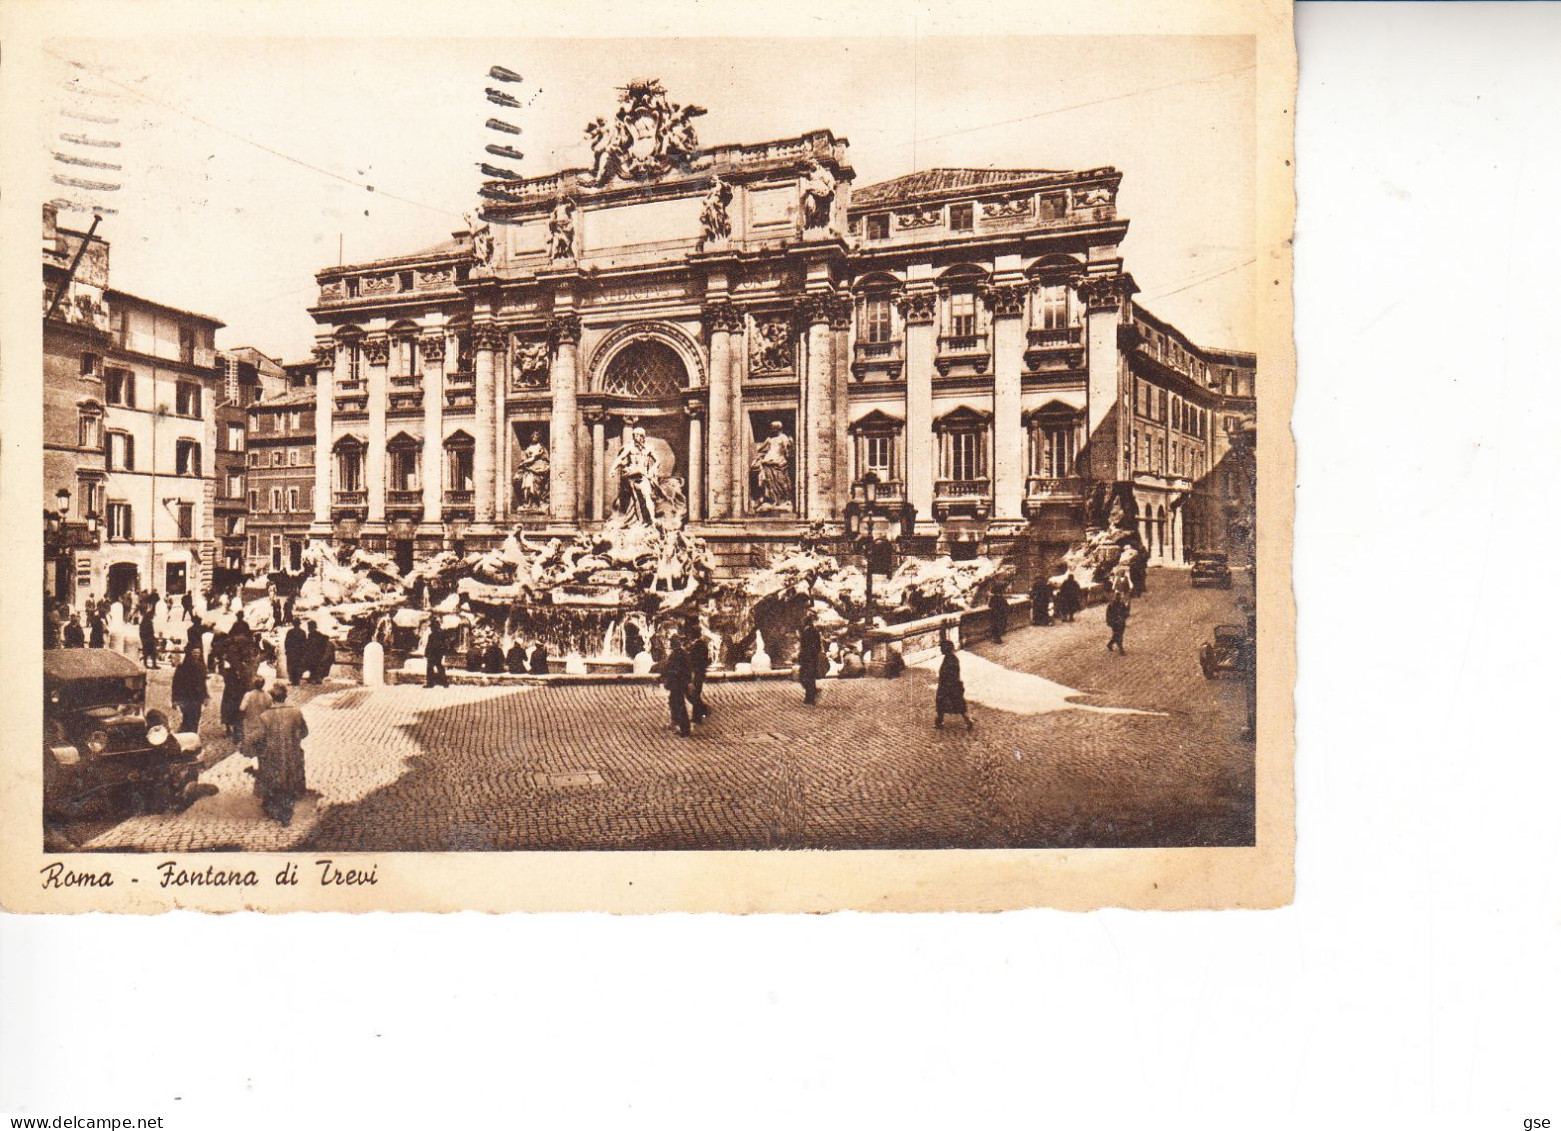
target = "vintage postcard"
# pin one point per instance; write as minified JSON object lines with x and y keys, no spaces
{"x":661,"y":463}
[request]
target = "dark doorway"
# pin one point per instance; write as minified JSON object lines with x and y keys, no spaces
{"x":64,"y":575}
{"x":404,"y":558}
{"x":176,"y":578}
{"x":123,"y":577}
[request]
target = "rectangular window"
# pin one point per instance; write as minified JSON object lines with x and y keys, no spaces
{"x":121,"y":451}
{"x":276,"y":498}
{"x":878,"y":226}
{"x":966,"y":458}
{"x":349,"y":470}
{"x":187,"y":344}
{"x":403,"y":468}
{"x":292,"y":498}
{"x":458,"y":469}
{"x":276,"y":551}
{"x":254,"y":500}
{"x":292,"y":457}
{"x":119,"y":522}
{"x":186,"y":513}
{"x":278,"y":457}
{"x":89,"y":365}
{"x":879,"y":450}
{"x":962,"y":314}
{"x":1162,"y":414}
{"x":962,"y":217}
{"x":878,"y":322}
{"x":188,"y":399}
{"x":91,"y":431}
{"x":235,"y":437}
{"x":187,"y":458}
{"x":306,"y":420}
{"x":119,"y":388}
{"x":89,"y":497}
{"x":235,"y":485}
{"x":1052,"y":307}
{"x":254,"y":545}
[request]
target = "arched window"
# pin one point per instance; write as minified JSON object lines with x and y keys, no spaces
{"x":90,"y":426}
{"x":645,"y":370}
{"x":459,"y":476}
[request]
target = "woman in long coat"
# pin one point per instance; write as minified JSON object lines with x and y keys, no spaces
{"x":279,"y":776}
{"x":189,"y":689}
{"x":951,"y":689}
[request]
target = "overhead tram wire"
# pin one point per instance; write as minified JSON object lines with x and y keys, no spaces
{"x":1197,"y":281}
{"x":251,"y":141}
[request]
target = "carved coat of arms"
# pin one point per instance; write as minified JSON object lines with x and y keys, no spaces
{"x":646,"y":136}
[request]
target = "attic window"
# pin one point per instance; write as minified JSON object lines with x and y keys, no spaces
{"x":878,"y":226}
{"x":962,"y":217}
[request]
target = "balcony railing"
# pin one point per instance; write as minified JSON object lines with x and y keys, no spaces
{"x":889,"y":490}
{"x":888,"y":356}
{"x":460,"y":377}
{"x":1045,"y":487}
{"x":1057,"y":337}
{"x":962,"y":349}
{"x":460,"y":498}
{"x":962,"y":343}
{"x":407,"y":381}
{"x":963,"y":488}
{"x":349,"y":498}
{"x":403,"y":499}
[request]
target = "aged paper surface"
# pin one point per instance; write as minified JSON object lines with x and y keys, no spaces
{"x":636,"y":338}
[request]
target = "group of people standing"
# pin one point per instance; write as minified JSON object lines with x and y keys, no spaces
{"x":683,"y":675}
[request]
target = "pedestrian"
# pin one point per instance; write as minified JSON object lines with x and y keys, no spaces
{"x":189,"y":690}
{"x":493,"y":659}
{"x":240,"y":625}
{"x":434,"y":674}
{"x":187,"y":603}
{"x":1041,"y":602}
{"x":319,"y":655}
{"x":238,"y":672}
{"x":256,"y":702}
{"x":193,"y":634}
{"x":699,"y":667}
{"x":810,"y":658}
{"x":293,"y":644}
{"x":1069,"y":598}
{"x":98,"y":634}
{"x":148,"y":642}
{"x":997,"y":612}
{"x":280,"y":777}
{"x":74,"y":636}
{"x":539,"y":659}
{"x":515,"y":658}
{"x":951,"y":689}
{"x":1117,"y":611}
{"x":675,"y":676}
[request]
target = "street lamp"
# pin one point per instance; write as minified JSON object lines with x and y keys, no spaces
{"x":869,"y":507}
{"x":62,"y":497}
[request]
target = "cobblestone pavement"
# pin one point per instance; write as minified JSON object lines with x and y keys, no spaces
{"x":596,"y":767}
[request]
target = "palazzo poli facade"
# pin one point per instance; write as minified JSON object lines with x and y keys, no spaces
{"x":967,"y":335}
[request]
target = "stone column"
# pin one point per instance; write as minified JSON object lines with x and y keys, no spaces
{"x":376,"y":351}
{"x":503,"y":485}
{"x":738,"y":368}
{"x":565,"y":421}
{"x":840,"y":401}
{"x":1103,"y":296}
{"x":329,"y":359}
{"x":724,"y":320}
{"x":597,"y":419}
{"x":1007,"y":303}
{"x":696,"y":460}
{"x":918,"y":309}
{"x":433,"y":427}
{"x":486,"y":339}
{"x":819,"y":427}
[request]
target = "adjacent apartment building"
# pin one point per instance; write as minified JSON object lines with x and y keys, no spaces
{"x":280,"y":477}
{"x":130,"y":428}
{"x":248,"y":376}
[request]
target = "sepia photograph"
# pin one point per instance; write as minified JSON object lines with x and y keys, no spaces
{"x":506,"y":446}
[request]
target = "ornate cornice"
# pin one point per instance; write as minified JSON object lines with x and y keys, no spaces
{"x":487,"y":336}
{"x":1106,"y":292}
{"x":432,"y":347}
{"x":1005,"y":300}
{"x":723,"y":317}
{"x":376,"y":350}
{"x":917,"y":306}
{"x":564,"y":328}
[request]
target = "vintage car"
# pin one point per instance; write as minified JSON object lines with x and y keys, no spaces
{"x":1225,"y":653}
{"x":101,"y":747}
{"x":1210,"y":569}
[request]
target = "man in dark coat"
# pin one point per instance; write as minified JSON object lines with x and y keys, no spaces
{"x":187,"y":603}
{"x":189,"y":689}
{"x":193,"y":635}
{"x":238,"y":675}
{"x":320,"y":654}
{"x":433,"y":655}
{"x":1068,"y":598}
{"x":1041,"y":602}
{"x":810,"y":657}
{"x":515,"y":658}
{"x":493,"y":659}
{"x":279,"y":777}
{"x":1116,"y":619}
{"x":699,"y":666}
{"x":99,"y":630}
{"x":951,"y":689}
{"x":148,"y":641}
{"x":295,"y":644}
{"x":74,"y":636}
{"x":539,"y":659}
{"x":997,"y":606}
{"x":675,"y":676}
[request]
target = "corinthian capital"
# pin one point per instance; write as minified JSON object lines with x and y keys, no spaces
{"x":917,"y":306}
{"x":432,"y":347}
{"x":487,"y":336}
{"x":564,"y":328}
{"x":817,"y":308}
{"x":723,"y":316}
{"x":376,"y":350}
{"x":1106,"y":292}
{"x":1005,"y":300}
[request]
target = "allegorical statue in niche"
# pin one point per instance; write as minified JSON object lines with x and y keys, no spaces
{"x":713,"y":217}
{"x":772,"y":460}
{"x":531,"y":472}
{"x":561,"y":230}
{"x":818,"y":195}
{"x":482,"y":240}
{"x":637,"y":469}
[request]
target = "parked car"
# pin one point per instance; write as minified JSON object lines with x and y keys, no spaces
{"x":1226,"y":652}
{"x":1210,"y":569}
{"x":101,"y":746}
